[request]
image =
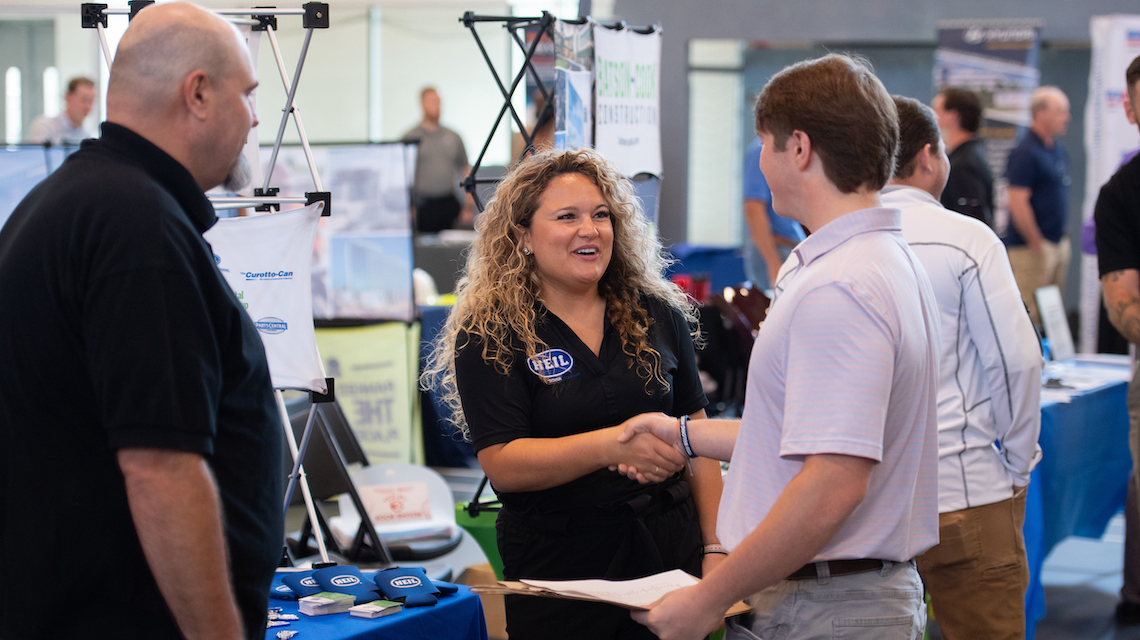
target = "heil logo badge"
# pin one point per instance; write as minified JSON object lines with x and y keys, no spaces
{"x":309,"y":582}
{"x":271,"y":326}
{"x":406,"y":582}
{"x":551,"y":365}
{"x":345,"y":581}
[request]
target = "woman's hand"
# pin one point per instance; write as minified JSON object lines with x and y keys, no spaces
{"x":651,"y":426}
{"x":645,"y":458}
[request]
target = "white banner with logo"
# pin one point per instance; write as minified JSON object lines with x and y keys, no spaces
{"x":1110,"y":140}
{"x":997,"y":59}
{"x":627,"y":77}
{"x":265,"y":259}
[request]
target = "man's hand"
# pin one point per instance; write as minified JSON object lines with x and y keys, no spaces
{"x":648,"y":459}
{"x":653,"y":426}
{"x":659,"y":425}
{"x":681,"y":615}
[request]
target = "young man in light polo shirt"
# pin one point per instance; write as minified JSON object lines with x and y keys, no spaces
{"x":833,"y":485}
{"x":989,"y":391}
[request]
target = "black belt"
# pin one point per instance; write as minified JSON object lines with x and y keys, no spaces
{"x":838,"y":568}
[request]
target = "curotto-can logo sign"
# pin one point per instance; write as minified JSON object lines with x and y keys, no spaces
{"x":271,"y":326}
{"x":406,"y":582}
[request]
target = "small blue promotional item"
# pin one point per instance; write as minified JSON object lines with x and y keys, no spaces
{"x":302,"y":583}
{"x":279,"y":590}
{"x":409,"y":585}
{"x":345,"y":579}
{"x":445,"y":588}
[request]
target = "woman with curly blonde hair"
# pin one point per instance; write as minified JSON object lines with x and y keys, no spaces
{"x":565,"y":327}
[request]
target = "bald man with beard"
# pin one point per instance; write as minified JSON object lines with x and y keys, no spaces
{"x":142,"y":471}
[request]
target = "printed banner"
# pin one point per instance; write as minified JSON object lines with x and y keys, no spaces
{"x":362,"y":259}
{"x":375,"y":369}
{"x":998,"y":60}
{"x":23,"y":167}
{"x":265,"y":259}
{"x":627,"y":77}
{"x":573,"y":94}
{"x":1110,"y":140}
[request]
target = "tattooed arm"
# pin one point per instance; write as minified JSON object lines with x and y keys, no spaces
{"x":1122,"y":298}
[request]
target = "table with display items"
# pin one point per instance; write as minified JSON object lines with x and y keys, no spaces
{"x":458,"y":616}
{"x":1082,"y":479}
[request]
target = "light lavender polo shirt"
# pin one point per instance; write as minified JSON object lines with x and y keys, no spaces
{"x":846,"y":363}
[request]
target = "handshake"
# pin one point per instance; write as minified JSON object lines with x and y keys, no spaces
{"x":650,"y":448}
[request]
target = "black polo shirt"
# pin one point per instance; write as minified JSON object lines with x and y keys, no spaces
{"x":1117,"y":214}
{"x":119,"y":331}
{"x":567,"y":389}
{"x":970,"y":185}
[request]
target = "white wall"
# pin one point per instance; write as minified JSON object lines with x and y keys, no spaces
{"x":77,"y":54}
{"x":421,"y":47}
{"x":332,"y":94}
{"x":716,"y":90}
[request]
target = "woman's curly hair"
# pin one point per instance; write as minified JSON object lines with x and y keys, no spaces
{"x":499,"y":288}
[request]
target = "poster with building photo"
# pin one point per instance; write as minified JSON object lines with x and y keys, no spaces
{"x":997,"y":59}
{"x":362,"y":258}
{"x":573,"y":95}
{"x":627,"y":77}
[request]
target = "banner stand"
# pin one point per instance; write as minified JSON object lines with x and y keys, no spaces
{"x":512,"y":24}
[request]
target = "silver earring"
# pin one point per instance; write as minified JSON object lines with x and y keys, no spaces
{"x":526,"y":251}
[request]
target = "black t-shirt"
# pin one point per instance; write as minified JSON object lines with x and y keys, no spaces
{"x":567,"y":390}
{"x":970,"y":185}
{"x":1117,"y":214}
{"x":119,"y":331}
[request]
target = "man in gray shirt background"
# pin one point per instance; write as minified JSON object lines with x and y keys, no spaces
{"x":441,"y":162}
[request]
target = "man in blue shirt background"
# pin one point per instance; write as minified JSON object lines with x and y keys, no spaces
{"x":773,"y":236}
{"x":1038,"y":174}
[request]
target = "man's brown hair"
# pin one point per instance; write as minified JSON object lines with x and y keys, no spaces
{"x":918,"y":127}
{"x":966,"y":104}
{"x":79,"y":81}
{"x":845,"y":112}
{"x":1131,"y":77}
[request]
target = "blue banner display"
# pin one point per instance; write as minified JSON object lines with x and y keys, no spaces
{"x":998,"y":60}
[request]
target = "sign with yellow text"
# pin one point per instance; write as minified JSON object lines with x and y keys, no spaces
{"x":375,"y":369}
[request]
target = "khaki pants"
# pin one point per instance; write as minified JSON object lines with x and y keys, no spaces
{"x":1036,"y":269}
{"x":977,"y":574}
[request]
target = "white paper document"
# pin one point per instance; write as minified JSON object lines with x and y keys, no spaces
{"x":639,"y":593}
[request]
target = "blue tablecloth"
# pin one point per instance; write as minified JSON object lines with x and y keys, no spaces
{"x":455,"y":617}
{"x":1081,"y":481}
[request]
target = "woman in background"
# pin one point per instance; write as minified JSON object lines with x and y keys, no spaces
{"x":565,"y":327}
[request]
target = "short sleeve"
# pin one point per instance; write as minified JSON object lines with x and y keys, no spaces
{"x":497,"y":407}
{"x":688,"y":392}
{"x":1115,"y":232}
{"x":755,"y":185}
{"x":148,"y":330}
{"x":461,"y":154}
{"x":839,"y":378}
{"x":1019,"y":170}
